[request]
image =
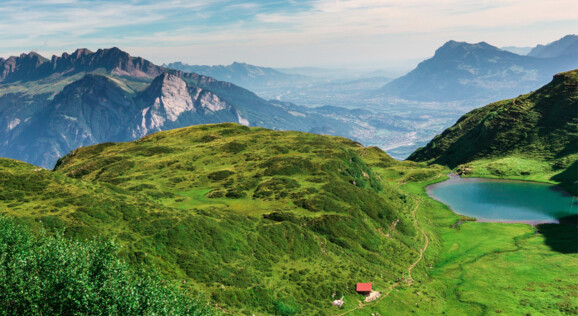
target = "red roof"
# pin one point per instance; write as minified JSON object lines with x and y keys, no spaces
{"x":363,"y":287}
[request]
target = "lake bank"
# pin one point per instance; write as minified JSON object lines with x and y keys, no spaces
{"x":506,"y":201}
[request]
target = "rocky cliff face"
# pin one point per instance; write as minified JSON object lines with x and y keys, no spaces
{"x":168,"y":97}
{"x":169,"y":102}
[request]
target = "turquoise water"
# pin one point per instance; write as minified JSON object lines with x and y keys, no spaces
{"x":504,"y":200}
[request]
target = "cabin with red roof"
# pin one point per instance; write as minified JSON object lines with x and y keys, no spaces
{"x":363,"y":288}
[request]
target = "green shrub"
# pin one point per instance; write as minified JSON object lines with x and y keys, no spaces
{"x":157,"y":150}
{"x":277,"y":185}
{"x":235,"y":193}
{"x":283,"y":308}
{"x":216,"y":194}
{"x":234,"y":147}
{"x":286,"y":166}
{"x":51,"y":275}
{"x":220,"y":175}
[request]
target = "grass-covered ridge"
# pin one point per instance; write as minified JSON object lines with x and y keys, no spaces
{"x":533,"y":137}
{"x":262,"y":221}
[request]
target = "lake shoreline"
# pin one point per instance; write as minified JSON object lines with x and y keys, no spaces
{"x":455,"y":179}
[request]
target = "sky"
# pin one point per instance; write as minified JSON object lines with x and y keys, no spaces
{"x":378,"y":34}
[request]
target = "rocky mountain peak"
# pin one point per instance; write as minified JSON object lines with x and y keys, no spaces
{"x":169,"y":94}
{"x":15,"y":68}
{"x":81,"y":52}
{"x":453,"y":49}
{"x":93,"y":85}
{"x":33,"y":56}
{"x":32,"y":66}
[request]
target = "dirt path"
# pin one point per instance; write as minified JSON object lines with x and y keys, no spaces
{"x":422,"y":250}
{"x":396,"y":284}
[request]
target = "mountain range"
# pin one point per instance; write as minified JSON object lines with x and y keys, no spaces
{"x":306,"y":86}
{"x":481,"y":73}
{"x":50,"y":107}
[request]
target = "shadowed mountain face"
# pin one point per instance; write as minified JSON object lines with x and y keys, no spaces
{"x":477,"y":72}
{"x":50,"y":107}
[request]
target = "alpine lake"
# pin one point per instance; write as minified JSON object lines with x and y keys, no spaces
{"x":510,"y":201}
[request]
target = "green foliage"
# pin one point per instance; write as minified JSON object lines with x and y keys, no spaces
{"x":234,"y":147}
{"x":282,"y":223}
{"x":282,"y":308}
{"x":50,"y":275}
{"x":220,"y":175}
{"x":277,"y":186}
{"x":286,"y":166}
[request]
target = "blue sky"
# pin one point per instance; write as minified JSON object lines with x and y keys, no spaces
{"x":284,"y":33}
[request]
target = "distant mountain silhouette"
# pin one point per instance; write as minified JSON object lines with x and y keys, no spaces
{"x":477,"y":72}
{"x":566,"y":46}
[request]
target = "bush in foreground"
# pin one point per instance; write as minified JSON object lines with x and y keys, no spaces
{"x":50,"y":275}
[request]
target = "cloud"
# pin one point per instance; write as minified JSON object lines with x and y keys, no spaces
{"x":279,"y":32}
{"x":76,"y":18}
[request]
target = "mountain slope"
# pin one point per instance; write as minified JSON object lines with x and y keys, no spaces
{"x":50,"y":107}
{"x":478,"y":72}
{"x":266,"y":221}
{"x":534,"y":133}
{"x":566,"y":46}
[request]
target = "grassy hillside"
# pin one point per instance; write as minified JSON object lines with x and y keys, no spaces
{"x":533,"y":136}
{"x":262,"y":221}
